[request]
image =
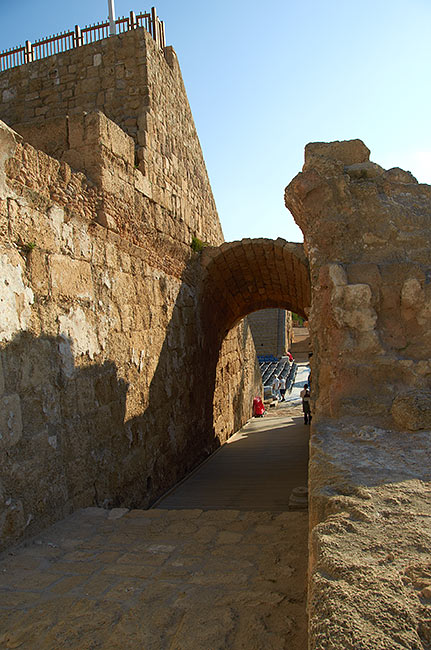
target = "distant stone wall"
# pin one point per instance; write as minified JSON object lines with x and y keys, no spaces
{"x":107,"y":369}
{"x":367,"y":234}
{"x":271,"y":330}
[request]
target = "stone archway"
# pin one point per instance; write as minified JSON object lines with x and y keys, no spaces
{"x":241,"y":277}
{"x":252,"y":274}
{"x":368,"y":236}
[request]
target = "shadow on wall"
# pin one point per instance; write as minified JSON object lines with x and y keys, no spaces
{"x":176,"y":427}
{"x":66,"y":436}
{"x":62,"y":428}
{"x":240,"y":410}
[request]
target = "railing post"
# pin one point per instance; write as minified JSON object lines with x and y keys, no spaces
{"x":154,"y":23}
{"x":28,"y":52}
{"x":162,"y":29}
{"x":132,"y":20}
{"x":77,"y":37}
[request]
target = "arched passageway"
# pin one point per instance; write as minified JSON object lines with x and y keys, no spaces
{"x":252,"y":274}
{"x":239,"y":278}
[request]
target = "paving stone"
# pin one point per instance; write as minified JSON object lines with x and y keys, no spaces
{"x":10,"y":599}
{"x":160,"y":579}
{"x":117,"y":513}
{"x":193,"y":596}
{"x":75,"y":568}
{"x":132,"y":570}
{"x":66,"y":584}
{"x":227,"y":537}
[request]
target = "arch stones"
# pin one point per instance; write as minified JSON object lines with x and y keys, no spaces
{"x":252,"y":274}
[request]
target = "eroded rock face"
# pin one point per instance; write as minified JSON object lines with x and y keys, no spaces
{"x":349,"y":152}
{"x":412,"y":410}
{"x":367,"y":236}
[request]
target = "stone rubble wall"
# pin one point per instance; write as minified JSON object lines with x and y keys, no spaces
{"x":367,"y":237}
{"x":107,"y":368}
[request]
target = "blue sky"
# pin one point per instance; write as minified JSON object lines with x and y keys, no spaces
{"x":264,"y":79}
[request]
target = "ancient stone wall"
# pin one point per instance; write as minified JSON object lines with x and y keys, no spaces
{"x":367,"y":236}
{"x":107,"y":382}
{"x":107,"y":368}
{"x":237,"y":375}
{"x":139,"y":88}
{"x":272,"y":331}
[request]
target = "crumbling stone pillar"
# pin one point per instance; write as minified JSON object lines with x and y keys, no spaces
{"x":367,"y":237}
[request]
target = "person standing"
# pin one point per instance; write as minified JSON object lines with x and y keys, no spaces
{"x":276,"y":388}
{"x":305,"y":396}
{"x":282,"y":389}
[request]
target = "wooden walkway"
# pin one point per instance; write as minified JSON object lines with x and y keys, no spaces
{"x":256,"y":470}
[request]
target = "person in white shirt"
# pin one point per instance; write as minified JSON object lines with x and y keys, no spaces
{"x":275,"y":388}
{"x":282,"y":388}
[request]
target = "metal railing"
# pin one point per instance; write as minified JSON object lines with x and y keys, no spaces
{"x":77,"y":37}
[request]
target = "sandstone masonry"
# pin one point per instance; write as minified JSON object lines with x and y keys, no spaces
{"x":107,"y":369}
{"x":140,"y":89}
{"x":367,"y":237}
{"x":272,"y":331}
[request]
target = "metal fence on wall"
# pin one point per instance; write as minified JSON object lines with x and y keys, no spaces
{"x":76,"y":37}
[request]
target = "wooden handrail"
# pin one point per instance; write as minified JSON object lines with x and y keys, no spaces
{"x":78,"y":36}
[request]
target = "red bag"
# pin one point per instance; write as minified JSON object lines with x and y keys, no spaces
{"x":258,"y":407}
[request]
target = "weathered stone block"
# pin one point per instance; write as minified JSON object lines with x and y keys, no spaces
{"x":10,"y":421}
{"x":352,"y":307}
{"x":412,"y":295}
{"x":348,"y":152}
{"x":142,"y":184}
{"x":71,"y":278}
{"x":79,"y":334}
{"x":15,"y":298}
{"x":412,"y":410}
{"x":39,"y":271}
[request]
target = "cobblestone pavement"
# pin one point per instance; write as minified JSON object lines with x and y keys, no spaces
{"x":158,"y":579}
{"x":208,"y":578}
